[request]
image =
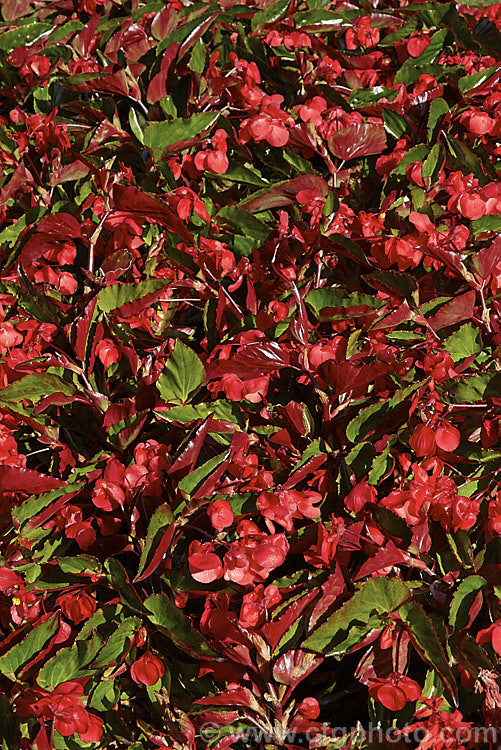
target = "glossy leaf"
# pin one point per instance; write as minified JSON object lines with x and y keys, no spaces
{"x":182,"y":375}
{"x":357,"y":140}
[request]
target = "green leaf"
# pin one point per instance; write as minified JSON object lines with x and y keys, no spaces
{"x":198,"y":57}
{"x":160,"y":135}
{"x":464,"y":596}
{"x":403,"y":283}
{"x":165,"y":615}
{"x":182,"y":375}
{"x":8,"y":725}
{"x":135,"y":125}
{"x":220,"y":409}
{"x":465,"y":158}
{"x":39,"y":306}
{"x":321,"y":20}
{"x":112,"y":297}
{"x":182,"y":32}
{"x":105,"y":697}
{"x":428,"y":56}
{"x":367,"y":609}
{"x":37,"y":503}
{"x":69,"y":663}
{"x":487,"y":224}
{"x":31,"y":645}
{"x":65,"y":30}
{"x":438,"y":109}
{"x":403,"y":32}
{"x":10,"y":234}
{"x":364,"y":97}
{"x":360,"y":459}
{"x":464,"y":343}
{"x":245,"y":223}
{"x":416,"y":153}
{"x":372,"y":416}
{"x":160,"y":521}
{"x":433,"y":162}
{"x":382,"y":465}
{"x":394,"y":124}
{"x":319,"y":299}
{"x":80,"y":565}
{"x":467,"y":83}
{"x":470,"y":389}
{"x":190,"y":483}
{"x":427,"y":643}
{"x":22,"y":36}
{"x":119,"y":580}
{"x":238,"y":173}
{"x":487,"y":34}
{"x":270,"y":14}
{"x":35,"y":387}
{"x":118,"y":643}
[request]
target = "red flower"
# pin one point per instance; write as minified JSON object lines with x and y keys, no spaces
{"x":108,"y":352}
{"x":69,"y":714}
{"x":360,"y":495}
{"x":9,"y":337}
{"x":269,"y":125}
{"x":78,"y":606}
{"x":362,"y":34}
{"x":220,"y":514}
{"x":491,"y":634}
{"x":394,"y":691}
{"x":147,"y":670}
{"x":422,"y":441}
{"x":107,"y":495}
{"x":205,"y":565}
{"x":447,"y":437}
{"x":464,"y":512}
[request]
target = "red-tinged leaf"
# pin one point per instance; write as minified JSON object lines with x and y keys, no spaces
{"x":425,"y":640}
{"x":196,"y":34}
{"x":486,"y":260}
{"x":386,"y":557}
{"x":254,"y":359}
{"x":59,"y":399}
{"x":207,"y":488}
{"x":292,"y":667}
{"x":330,"y":590}
{"x":358,"y":140}
{"x":275,"y":630}
{"x":450,"y":258}
{"x":83,"y":326}
{"x":157,"y":88}
{"x":402,"y":314}
{"x":168,"y":618}
{"x":285,"y":193}
{"x":313,"y":463}
{"x":60,"y":227}
{"x":235,"y":696}
{"x":134,"y":201}
{"x":69,"y":173}
{"x":458,"y":309}
{"x":163,"y":23}
{"x":186,"y":460}
{"x":158,"y":538}
{"x":300,"y":327}
{"x":37,"y":639}
{"x":14,"y":479}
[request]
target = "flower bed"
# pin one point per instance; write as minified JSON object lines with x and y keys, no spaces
{"x":249,"y":339}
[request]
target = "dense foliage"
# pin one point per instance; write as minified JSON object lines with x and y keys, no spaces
{"x":249,"y":339}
